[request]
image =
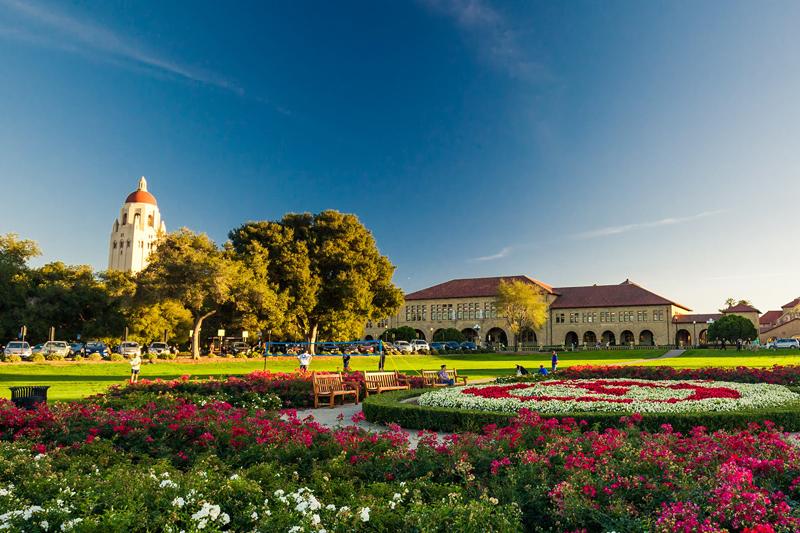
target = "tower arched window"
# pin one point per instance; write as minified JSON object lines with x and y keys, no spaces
{"x":151,"y":220}
{"x":124,"y":218}
{"x":128,"y":244}
{"x":115,"y":245}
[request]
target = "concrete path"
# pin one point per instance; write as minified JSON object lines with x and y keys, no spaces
{"x":669,"y":355}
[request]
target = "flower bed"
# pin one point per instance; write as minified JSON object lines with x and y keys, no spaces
{"x":779,"y":375}
{"x":615,"y":395}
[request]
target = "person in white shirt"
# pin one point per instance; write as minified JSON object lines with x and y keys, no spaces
{"x":305,"y":360}
{"x":136,"y":364}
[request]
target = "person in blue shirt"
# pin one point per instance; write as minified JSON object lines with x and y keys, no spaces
{"x":542,"y":370}
{"x":444,"y":378}
{"x":554,"y":361}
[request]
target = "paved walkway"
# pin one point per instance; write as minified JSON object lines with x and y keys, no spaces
{"x":669,"y":355}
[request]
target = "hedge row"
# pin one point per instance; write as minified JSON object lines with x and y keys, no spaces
{"x":389,"y":408}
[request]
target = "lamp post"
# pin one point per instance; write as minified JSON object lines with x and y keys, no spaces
{"x":267,"y":349}
{"x":477,"y":329}
{"x":432,"y":339}
{"x":694,"y":332}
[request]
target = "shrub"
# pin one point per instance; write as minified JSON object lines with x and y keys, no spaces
{"x":117,"y":357}
{"x":151,"y":358}
{"x":77,"y":358}
{"x":95,"y":357}
{"x":14,"y":358}
{"x":388,"y":408}
{"x":54,"y":357}
{"x":167,"y":356}
{"x":434,"y":351}
{"x":38,"y":358}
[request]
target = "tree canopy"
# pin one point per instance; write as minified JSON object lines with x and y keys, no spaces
{"x":403,"y":333}
{"x":326,"y":269}
{"x":522,"y":304}
{"x":731,"y":328}
{"x":448,"y":334}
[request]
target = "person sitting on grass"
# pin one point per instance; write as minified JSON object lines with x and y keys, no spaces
{"x":444,"y":377}
{"x":136,"y":364}
{"x":522,"y":371}
{"x":542,"y":370}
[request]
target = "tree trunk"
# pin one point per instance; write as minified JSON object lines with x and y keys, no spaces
{"x":311,"y":338}
{"x":198,"y":322}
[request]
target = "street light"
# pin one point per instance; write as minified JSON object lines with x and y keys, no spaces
{"x":694,"y":332}
{"x":477,"y":328}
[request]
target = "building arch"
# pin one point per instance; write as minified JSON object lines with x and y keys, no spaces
{"x":589,"y":337}
{"x":683,"y":338}
{"x":151,"y":220}
{"x":497,"y":335}
{"x":420,"y":334}
{"x":438,"y":335}
{"x":703,"y":337}
{"x":368,"y":338}
{"x":626,"y":338}
{"x":527,"y":336}
{"x":646,"y":338}
{"x":571,"y":339}
{"x":609,"y":338}
{"x":470,"y":334}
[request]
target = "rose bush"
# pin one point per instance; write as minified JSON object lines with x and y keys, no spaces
{"x":625,"y":395}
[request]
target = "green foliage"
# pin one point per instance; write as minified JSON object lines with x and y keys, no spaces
{"x":522,"y":304}
{"x":116,"y":357}
{"x":54,"y":357}
{"x":37,"y":358}
{"x":14,"y":281}
{"x":403,"y":333}
{"x":732,"y":327}
{"x":389,"y":408}
{"x":449,"y":334}
{"x":14,"y":358}
{"x":327,"y":273}
{"x":95,"y":357}
{"x":149,"y":322}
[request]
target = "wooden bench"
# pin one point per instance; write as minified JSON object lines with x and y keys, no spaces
{"x":378,"y":382}
{"x":431,"y":378}
{"x":330,"y":386}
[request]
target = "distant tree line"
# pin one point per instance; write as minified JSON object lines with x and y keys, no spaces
{"x":304,"y":277}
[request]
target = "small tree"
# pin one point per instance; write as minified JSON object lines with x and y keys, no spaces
{"x":403,"y":333}
{"x":449,"y":334}
{"x":522,"y":304}
{"x":732,"y":327}
{"x":191,"y":270}
{"x":733,"y":302}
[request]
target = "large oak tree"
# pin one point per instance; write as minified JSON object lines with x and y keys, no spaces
{"x":522,"y":305}
{"x":327,"y":271}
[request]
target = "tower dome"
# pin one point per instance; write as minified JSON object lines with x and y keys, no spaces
{"x":140,"y":195}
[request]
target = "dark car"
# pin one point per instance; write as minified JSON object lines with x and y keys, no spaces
{"x":452,"y":345}
{"x":96,"y":347}
{"x":468,"y":345}
{"x":327,"y":347}
{"x":76,"y":348}
{"x":439,"y":346}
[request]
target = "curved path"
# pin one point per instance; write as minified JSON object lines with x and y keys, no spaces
{"x":669,"y":355}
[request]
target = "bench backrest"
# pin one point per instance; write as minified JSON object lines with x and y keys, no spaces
{"x":432,"y":376}
{"x":324,"y":383}
{"x":381,"y":379}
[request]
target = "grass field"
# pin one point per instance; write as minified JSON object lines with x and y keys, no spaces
{"x":70,"y":381}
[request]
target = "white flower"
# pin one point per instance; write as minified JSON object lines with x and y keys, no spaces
{"x":364,"y":514}
{"x":29,"y":512}
{"x":254,"y":516}
{"x":202,"y":524}
{"x":278,"y":494}
{"x":296,"y":529}
{"x":330,"y":507}
{"x":69,"y":524}
{"x":44,"y":524}
{"x":224,"y":518}
{"x":493,"y":500}
{"x":178,"y":502}
{"x":168,"y":483}
{"x":39,"y":456}
{"x":234,"y":477}
{"x":315,"y":519}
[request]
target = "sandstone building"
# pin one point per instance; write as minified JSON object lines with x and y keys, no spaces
{"x":135,"y":231}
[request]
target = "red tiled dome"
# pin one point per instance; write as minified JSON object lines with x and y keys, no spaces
{"x":142,"y":197}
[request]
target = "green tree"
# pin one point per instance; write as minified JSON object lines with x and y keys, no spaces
{"x":14,"y":281}
{"x":522,"y":304}
{"x":150,"y":322}
{"x":449,"y":334}
{"x":403,"y":333}
{"x":326,"y":270}
{"x":191,"y":270}
{"x":729,"y":328}
{"x":733,"y":302}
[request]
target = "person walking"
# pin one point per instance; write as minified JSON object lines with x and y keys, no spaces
{"x":136,"y":365}
{"x":346,"y":361}
{"x":554,"y":361}
{"x":305,"y":360}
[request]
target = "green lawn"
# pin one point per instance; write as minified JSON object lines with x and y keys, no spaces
{"x":731,"y":358}
{"x":70,"y":381}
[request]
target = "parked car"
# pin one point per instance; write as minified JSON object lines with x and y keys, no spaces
{"x":327,"y":347}
{"x":130,"y":348}
{"x":419,"y":345}
{"x":239,"y":347}
{"x":468,"y":345}
{"x":96,"y":347}
{"x":56,"y":348}
{"x":157,"y":348}
{"x":784,"y":343}
{"x":37,"y":349}
{"x":20,"y":348}
{"x":403,"y":347}
{"x":452,"y":345}
{"x":76,"y":348}
{"x":439,"y":346}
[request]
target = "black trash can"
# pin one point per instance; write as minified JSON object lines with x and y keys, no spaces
{"x":29,"y":396}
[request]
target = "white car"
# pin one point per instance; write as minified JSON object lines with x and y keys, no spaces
{"x":403,"y":347}
{"x":130,"y":349}
{"x":420,"y":344}
{"x":20,"y":348}
{"x":158,"y":348}
{"x":55,"y":348}
{"x":784,"y":343}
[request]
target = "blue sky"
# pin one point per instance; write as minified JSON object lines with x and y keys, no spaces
{"x":580,"y":142}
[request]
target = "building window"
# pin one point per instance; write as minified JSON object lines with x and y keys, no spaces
{"x":613,"y":316}
{"x":124,"y":218}
{"x":151,"y":220}
{"x":573,"y":318}
{"x":560,"y":318}
{"x":115,"y":245}
{"x":127,"y":244}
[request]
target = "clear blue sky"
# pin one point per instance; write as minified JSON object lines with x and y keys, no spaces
{"x":578,"y":142}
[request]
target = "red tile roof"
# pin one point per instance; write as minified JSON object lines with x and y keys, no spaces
{"x":793,"y":303}
{"x":770,"y":317}
{"x":700,"y":319}
{"x":469,"y":288}
{"x":741,"y":308}
{"x":625,"y":294}
{"x":776,"y":326}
